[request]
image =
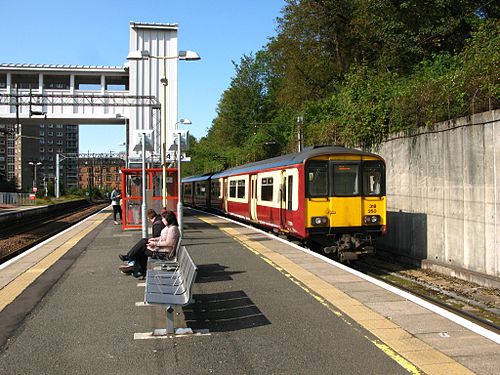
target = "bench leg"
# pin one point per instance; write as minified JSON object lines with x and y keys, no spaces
{"x":170,"y":319}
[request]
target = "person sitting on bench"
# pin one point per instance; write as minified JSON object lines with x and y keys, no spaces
{"x":140,"y":246}
{"x":162,"y":247}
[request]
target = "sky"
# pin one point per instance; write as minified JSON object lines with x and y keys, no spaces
{"x":91,"y":32}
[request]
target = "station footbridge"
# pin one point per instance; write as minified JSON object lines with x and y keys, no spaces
{"x":141,"y":94}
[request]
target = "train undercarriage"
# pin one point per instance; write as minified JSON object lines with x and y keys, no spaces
{"x":345,"y":247}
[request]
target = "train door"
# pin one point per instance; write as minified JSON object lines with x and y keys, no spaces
{"x":253,"y":197}
{"x":224,"y":193}
{"x":283,"y":195}
{"x":288,"y":180}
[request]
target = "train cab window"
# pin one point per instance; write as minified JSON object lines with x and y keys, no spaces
{"x":232,"y":189}
{"x":317,"y":179}
{"x":266,"y":189}
{"x":241,"y":189}
{"x":373,"y":173}
{"x":346,"y":180}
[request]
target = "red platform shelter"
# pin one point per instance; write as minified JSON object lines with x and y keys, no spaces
{"x":132,"y":193}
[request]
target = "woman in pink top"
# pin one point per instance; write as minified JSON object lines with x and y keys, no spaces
{"x":165,"y":245}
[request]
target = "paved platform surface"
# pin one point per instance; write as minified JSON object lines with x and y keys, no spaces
{"x":269,"y":308}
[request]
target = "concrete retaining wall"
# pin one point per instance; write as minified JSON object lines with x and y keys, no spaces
{"x":443,"y":194}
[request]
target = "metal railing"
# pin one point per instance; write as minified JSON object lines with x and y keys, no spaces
{"x":16,"y":199}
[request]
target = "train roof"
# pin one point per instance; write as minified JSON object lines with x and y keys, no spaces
{"x":200,"y":177}
{"x":292,"y":159}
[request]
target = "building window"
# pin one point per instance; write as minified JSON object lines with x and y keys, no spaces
{"x":92,"y":83}
{"x":50,"y":142}
{"x":56,"y":82}
{"x":3,"y":81}
{"x":25,"y":81}
{"x":42,"y":133}
{"x":51,"y":134}
{"x":42,"y":126}
{"x":59,"y":134}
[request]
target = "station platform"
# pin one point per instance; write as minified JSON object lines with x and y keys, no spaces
{"x":261,"y":306}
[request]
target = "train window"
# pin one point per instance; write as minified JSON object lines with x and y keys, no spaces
{"x":289,"y":192}
{"x":345,"y":180}
{"x":216,"y":189}
{"x":317,"y":179}
{"x":372,"y":178}
{"x":232,"y":189}
{"x":266,"y":189}
{"x":241,"y":189}
{"x":200,"y":189}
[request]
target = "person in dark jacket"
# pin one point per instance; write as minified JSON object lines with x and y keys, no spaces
{"x":140,"y":246}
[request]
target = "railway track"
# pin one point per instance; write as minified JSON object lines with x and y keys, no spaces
{"x":471,"y":301}
{"x":18,"y":236}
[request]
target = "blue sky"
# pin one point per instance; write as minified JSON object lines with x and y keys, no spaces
{"x":91,"y":32}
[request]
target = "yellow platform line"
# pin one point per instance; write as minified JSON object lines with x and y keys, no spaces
{"x":408,"y":351}
{"x":12,"y":290}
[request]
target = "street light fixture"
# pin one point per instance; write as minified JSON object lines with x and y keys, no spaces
{"x":34,"y":165}
{"x":182,"y":55}
{"x":144,"y":146}
{"x":180,"y":220}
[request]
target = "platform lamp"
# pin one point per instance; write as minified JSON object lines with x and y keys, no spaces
{"x":143,"y":146}
{"x":182,"y":55}
{"x":34,"y":165}
{"x":180,"y":219}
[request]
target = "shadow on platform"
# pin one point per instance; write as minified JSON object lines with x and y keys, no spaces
{"x":208,"y":273}
{"x":222,"y":312}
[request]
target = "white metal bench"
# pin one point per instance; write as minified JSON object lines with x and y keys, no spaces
{"x":170,"y":283}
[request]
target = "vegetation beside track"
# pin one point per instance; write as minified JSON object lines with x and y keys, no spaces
{"x":356,"y":72}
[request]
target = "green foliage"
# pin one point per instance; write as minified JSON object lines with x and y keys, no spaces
{"x":357,"y":71}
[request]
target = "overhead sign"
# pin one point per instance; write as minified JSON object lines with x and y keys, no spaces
{"x":171,"y":156}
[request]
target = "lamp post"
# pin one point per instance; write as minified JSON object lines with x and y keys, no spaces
{"x":34,"y":165}
{"x":143,"y":147}
{"x":180,"y":219}
{"x":182,"y":55}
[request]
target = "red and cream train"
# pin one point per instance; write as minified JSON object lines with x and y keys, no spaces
{"x":330,"y":198}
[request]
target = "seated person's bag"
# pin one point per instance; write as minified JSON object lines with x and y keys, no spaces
{"x":158,"y":255}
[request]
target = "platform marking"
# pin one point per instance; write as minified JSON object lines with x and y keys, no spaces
{"x":410,"y":297}
{"x":413,"y":354}
{"x":12,"y":290}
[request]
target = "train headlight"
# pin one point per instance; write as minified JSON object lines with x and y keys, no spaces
{"x":371,"y":219}
{"x":319,"y":220}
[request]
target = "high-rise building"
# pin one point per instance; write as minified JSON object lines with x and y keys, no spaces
{"x":29,"y":155}
{"x":7,"y":152}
